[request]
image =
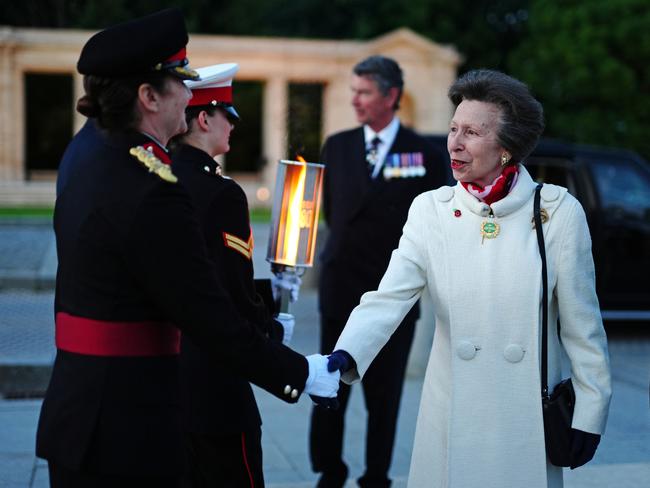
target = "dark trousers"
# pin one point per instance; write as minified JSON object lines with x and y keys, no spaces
{"x":382,"y":390}
{"x":226,"y":461}
{"x":62,"y":477}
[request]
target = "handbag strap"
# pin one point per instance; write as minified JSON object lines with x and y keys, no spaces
{"x":542,"y":254}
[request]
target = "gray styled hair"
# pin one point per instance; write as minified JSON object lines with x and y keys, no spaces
{"x":522,"y":116}
{"x":385,"y":72}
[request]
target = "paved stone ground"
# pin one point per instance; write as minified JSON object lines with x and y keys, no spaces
{"x":27,"y":254}
{"x":27,"y":326}
{"x":26,"y":339}
{"x":622,"y":460}
{"x":23,"y":248}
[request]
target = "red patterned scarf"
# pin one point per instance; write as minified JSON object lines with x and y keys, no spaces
{"x":499,"y":188}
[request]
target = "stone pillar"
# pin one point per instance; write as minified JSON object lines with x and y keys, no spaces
{"x":9,"y":116}
{"x":78,"y":120}
{"x":17,"y":164}
{"x":337,"y":111}
{"x":444,"y":74}
{"x":275,"y":131}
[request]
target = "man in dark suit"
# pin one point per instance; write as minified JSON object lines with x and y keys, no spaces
{"x":372,"y":175}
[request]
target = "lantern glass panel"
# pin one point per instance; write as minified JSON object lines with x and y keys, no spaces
{"x":296,"y":206}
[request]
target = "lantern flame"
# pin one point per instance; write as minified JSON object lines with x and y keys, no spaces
{"x":293,"y":223}
{"x":301,"y":159}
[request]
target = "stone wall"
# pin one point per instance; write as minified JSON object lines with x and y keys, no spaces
{"x":429,"y":69}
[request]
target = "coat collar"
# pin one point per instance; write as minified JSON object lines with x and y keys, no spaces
{"x":517,"y":198}
{"x":387,"y":134}
{"x":196,"y":158}
{"x":127,"y":138}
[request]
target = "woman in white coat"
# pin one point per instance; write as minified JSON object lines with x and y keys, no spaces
{"x":473,"y":248}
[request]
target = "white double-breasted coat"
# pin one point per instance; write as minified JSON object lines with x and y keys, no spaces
{"x":480,"y":420}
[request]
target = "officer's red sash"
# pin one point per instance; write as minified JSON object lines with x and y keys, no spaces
{"x":104,"y":338}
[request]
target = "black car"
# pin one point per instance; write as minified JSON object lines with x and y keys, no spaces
{"x":613,"y":186}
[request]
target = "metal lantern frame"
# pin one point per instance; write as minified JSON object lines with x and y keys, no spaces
{"x":294,"y":218}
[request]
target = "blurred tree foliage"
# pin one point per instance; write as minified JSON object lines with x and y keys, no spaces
{"x":587,"y":60}
{"x":589,"y":63}
{"x":483,"y":30}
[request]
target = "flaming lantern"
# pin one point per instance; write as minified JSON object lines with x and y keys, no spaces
{"x":294,"y":221}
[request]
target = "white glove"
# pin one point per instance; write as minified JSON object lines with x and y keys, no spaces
{"x":288,"y":322}
{"x":286,"y":281}
{"x":321,"y":382}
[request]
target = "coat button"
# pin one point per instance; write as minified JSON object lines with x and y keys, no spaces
{"x":294,"y":393}
{"x":550,"y":193}
{"x":466,"y":350}
{"x":287,"y":390}
{"x":514,"y":353}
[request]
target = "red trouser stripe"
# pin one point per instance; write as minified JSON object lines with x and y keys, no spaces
{"x":243,"y":450}
{"x":106,"y":338}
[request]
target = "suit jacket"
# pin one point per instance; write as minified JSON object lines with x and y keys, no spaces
{"x":365,"y":216}
{"x":222,"y":210}
{"x":130,"y":249}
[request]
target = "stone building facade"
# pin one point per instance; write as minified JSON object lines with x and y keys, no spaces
{"x":429,"y":69}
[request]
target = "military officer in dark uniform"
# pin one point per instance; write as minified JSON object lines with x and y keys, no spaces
{"x":134,"y":272}
{"x":373,"y":173}
{"x":224,"y":439}
{"x":87,"y":137}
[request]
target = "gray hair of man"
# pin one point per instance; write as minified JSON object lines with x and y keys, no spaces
{"x":385,"y":72}
{"x":522,"y":116}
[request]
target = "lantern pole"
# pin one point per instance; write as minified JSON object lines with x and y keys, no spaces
{"x":283,"y":300}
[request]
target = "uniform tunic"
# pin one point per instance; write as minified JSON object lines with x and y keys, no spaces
{"x":480,"y":419}
{"x":130,"y":250}
{"x":222,"y":210}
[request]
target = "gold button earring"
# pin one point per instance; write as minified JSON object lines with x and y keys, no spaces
{"x":504,"y":159}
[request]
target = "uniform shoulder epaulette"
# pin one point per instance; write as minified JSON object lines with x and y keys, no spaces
{"x":153,"y":164}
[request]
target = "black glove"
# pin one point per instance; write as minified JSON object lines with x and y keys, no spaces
{"x":325,"y":402}
{"x":583,"y":447}
{"x":340,"y":360}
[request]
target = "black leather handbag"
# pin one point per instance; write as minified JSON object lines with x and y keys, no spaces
{"x":557,"y":407}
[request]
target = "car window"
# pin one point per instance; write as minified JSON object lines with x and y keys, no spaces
{"x":551,"y":170}
{"x":624,"y":188}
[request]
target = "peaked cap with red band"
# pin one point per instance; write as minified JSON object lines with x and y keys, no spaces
{"x":214,"y":89}
{"x":144,"y":45}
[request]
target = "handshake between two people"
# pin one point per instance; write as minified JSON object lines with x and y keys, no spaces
{"x":325,"y":372}
{"x":324,"y":375}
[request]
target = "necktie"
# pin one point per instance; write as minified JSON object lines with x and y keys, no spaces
{"x":372,"y":155}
